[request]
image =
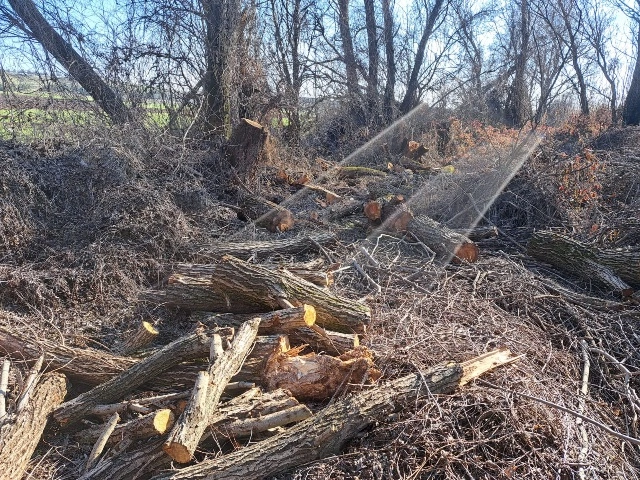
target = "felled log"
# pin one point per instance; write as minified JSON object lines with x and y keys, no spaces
{"x":265,"y":213}
{"x":143,"y":336}
{"x":447,"y":244}
{"x":612,"y":268}
{"x":354,"y":171}
{"x":265,"y":347}
{"x":349,"y":206}
{"x":85,"y":365}
{"x":227,"y":420}
{"x":235,"y":286}
{"x":326,"y":432}
{"x":287,"y":246}
{"x":319,"y":377}
{"x":277,"y":321}
{"x":186,"y":348}
{"x":188,"y":430}
{"x":329,"y":342}
{"x":248,"y":147}
{"x":317,"y":277}
{"x":20,"y":435}
{"x":478,"y":233}
{"x":383,"y":208}
{"x":150,"y":425}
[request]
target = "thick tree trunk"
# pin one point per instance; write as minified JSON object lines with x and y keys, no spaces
{"x":20,"y":436}
{"x":349,"y":60}
{"x":609,"y":267}
{"x":326,"y":432}
{"x":373,"y":54}
{"x":631,"y":112}
{"x":235,"y":286}
{"x":390,"y":86}
{"x":248,"y":147}
{"x":186,"y":348}
{"x":518,"y":105}
{"x":71,"y":60}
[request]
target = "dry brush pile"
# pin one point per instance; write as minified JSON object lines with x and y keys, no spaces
{"x":325,"y":321}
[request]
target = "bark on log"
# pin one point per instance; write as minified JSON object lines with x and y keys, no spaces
{"x":477,"y":234}
{"x":333,"y":343}
{"x":343,"y":209}
{"x":188,"y":431}
{"x":20,"y":435}
{"x":246,"y":250}
{"x":610,"y":267}
{"x":316,"y":377}
{"x":189,"y":347}
{"x":150,"y":425}
{"x":264,"y":348}
{"x":278,"y":321}
{"x":143,"y":336}
{"x":235,"y":286}
{"x":325,"y":433}
{"x":85,"y":365}
{"x":147,"y":458}
{"x":264,"y":213}
{"x":247,"y":147}
{"x":447,"y":244}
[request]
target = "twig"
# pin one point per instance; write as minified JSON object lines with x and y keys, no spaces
{"x":4,"y":385}
{"x":371,"y":281}
{"x":621,"y":436}
{"x":369,"y":257}
{"x":109,"y":427}
{"x":29,"y":384}
{"x":581,"y":404}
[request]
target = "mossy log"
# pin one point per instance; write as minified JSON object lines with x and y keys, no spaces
{"x":235,"y":286}
{"x":325,"y":433}
{"x":20,"y":435}
{"x":611,"y":268}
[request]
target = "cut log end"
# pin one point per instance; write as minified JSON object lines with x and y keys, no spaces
{"x":467,"y":252}
{"x":373,"y":210}
{"x":178,"y":452}
{"x":309,"y":315}
{"x":163,"y":420}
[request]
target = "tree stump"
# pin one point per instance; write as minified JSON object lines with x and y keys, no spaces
{"x":247,"y":147}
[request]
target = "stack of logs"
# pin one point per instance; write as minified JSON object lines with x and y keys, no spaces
{"x":236,"y":375}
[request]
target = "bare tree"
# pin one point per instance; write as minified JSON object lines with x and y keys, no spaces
{"x":389,"y":48}
{"x":33,"y":23}
{"x":518,"y":104}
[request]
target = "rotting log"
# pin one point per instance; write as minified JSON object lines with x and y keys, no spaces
{"x":20,"y":435}
{"x":246,"y":250}
{"x":235,"y":286}
{"x":326,"y":432}
{"x":316,"y":377}
{"x":277,"y":321}
{"x":186,"y":348}
{"x":248,"y":146}
{"x":330,"y":342}
{"x":609,"y":267}
{"x":188,"y":430}
{"x":143,"y":336}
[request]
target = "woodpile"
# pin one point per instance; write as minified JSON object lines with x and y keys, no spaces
{"x":264,"y":341}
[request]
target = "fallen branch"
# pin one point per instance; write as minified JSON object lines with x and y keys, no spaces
{"x":189,"y":347}
{"x":188,"y":431}
{"x":101,"y":441}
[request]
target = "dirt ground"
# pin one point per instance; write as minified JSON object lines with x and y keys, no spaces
{"x":84,"y":230}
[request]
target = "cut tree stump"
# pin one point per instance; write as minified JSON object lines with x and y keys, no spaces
{"x":188,"y":430}
{"x":248,"y":147}
{"x":326,"y":432}
{"x":186,"y":348}
{"x":610,"y":267}
{"x":20,"y":435}
{"x":235,"y":286}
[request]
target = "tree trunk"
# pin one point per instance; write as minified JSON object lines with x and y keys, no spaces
{"x":411,"y":99}
{"x":20,"y":436}
{"x":71,"y":60}
{"x":518,"y":106}
{"x":248,"y":147}
{"x":372,"y":49}
{"x":325,"y":433}
{"x":631,"y":112}
{"x":609,"y":267}
{"x":390,"y":86}
{"x":235,"y":286}
{"x":349,"y":60}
